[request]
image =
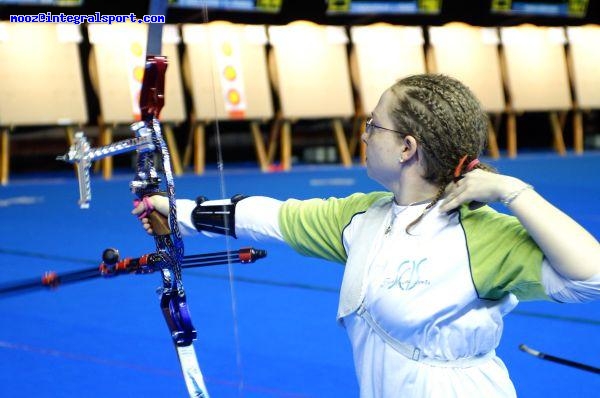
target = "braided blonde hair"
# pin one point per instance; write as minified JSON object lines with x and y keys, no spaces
{"x":446,"y":119}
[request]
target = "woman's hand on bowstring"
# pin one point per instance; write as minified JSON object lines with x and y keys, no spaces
{"x":142,"y":209}
{"x":479,"y":186}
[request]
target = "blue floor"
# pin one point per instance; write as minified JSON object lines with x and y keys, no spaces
{"x":277,"y":337}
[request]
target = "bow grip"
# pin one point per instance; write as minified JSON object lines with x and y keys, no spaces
{"x":158,"y":222}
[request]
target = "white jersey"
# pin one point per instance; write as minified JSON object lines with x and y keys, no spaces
{"x":421,"y":330}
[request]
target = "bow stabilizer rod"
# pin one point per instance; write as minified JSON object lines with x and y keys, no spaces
{"x":112,"y":266}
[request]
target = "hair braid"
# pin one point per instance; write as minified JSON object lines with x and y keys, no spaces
{"x":418,"y":119}
{"x":436,"y":199}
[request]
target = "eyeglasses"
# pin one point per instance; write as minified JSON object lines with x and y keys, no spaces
{"x":369,"y":126}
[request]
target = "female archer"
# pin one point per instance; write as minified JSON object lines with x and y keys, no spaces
{"x":430,"y":271}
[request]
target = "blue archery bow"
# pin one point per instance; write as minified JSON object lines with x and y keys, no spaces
{"x":149,"y":143}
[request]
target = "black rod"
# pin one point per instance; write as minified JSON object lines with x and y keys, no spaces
{"x":562,"y":361}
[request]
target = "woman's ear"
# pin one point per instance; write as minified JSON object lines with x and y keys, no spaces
{"x":410,"y":147}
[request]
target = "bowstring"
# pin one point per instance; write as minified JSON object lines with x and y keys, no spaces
{"x":223,"y":194}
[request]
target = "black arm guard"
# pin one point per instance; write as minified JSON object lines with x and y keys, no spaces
{"x":217,"y":218}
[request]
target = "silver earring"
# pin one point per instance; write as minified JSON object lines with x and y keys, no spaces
{"x":401,"y":160}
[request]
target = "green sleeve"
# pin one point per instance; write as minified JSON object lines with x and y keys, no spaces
{"x":314,"y":227}
{"x":503,"y":257}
